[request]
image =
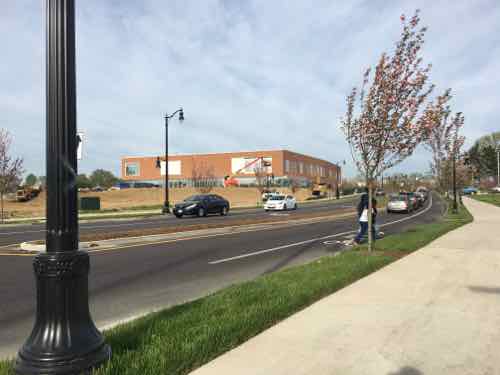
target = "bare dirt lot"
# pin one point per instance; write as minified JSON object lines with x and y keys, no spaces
{"x":133,"y":198}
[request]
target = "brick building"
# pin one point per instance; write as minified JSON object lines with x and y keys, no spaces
{"x":281,"y":167}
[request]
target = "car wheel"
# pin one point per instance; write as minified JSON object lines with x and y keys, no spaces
{"x":295,"y":207}
{"x":285,"y":208}
{"x":266,"y":210}
{"x":223,"y":212}
{"x":201,"y":212}
{"x":178,"y":216}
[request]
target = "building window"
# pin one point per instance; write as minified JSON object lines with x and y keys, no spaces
{"x":287,"y":166}
{"x":132,"y":169}
{"x":301,"y":168}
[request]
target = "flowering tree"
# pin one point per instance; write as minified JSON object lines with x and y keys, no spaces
{"x":389,"y":123}
{"x":10,"y":168}
{"x":452,"y":147}
{"x":440,"y":136}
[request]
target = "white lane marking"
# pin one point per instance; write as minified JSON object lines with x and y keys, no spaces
{"x":24,"y":231}
{"x":5,"y":246}
{"x":277,"y":248}
{"x":247,"y":255}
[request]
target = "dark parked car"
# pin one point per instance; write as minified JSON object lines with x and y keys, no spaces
{"x":202,"y":205}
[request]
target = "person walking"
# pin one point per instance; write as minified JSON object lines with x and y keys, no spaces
{"x":363,"y":217}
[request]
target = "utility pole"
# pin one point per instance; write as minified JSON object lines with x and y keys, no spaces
{"x":64,"y":339}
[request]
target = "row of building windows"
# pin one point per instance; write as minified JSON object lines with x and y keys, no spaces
{"x":295,"y":167}
{"x":132,"y":169}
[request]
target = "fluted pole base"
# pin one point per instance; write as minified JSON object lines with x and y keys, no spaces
{"x":64,"y":339}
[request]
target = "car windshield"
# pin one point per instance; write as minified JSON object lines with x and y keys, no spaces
{"x":277,"y":198}
{"x":194,"y":198}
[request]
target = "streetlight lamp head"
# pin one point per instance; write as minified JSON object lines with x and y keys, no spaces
{"x":181,"y":115}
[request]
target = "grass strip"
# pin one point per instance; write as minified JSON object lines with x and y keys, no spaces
{"x":180,"y":339}
{"x":488,"y":198}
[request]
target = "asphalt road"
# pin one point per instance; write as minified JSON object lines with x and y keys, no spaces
{"x":131,"y":281}
{"x":14,"y":234}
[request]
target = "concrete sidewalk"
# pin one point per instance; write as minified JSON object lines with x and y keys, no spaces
{"x":436,"y":311}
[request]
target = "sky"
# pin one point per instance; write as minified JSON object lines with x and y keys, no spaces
{"x":250,"y":74}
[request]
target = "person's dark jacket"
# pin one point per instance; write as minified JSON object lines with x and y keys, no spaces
{"x":363,"y":203}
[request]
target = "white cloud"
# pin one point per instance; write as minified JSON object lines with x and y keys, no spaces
{"x":242,"y":70}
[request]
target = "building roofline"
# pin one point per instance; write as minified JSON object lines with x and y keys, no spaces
{"x":204,"y":154}
{"x":233,"y":152}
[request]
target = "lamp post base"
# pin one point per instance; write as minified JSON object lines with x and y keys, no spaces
{"x":64,"y":339}
{"x":165,"y":209}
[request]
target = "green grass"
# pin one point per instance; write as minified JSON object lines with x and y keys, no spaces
{"x":488,"y":198}
{"x":6,"y":368}
{"x":420,"y":235}
{"x":182,"y":338}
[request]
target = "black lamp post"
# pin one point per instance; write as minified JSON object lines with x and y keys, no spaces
{"x":455,"y":208}
{"x":64,"y":339}
{"x":337,"y":183}
{"x":498,"y":163}
{"x":166,"y":203}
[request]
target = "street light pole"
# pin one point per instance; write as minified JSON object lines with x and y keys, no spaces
{"x":498,"y":164}
{"x":64,"y":339}
{"x":454,"y":184}
{"x":166,"y":203}
{"x":338,"y":179}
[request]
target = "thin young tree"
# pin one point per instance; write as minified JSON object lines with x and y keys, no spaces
{"x":11,"y":168}
{"x":389,"y":123}
{"x":439,"y":136}
{"x":261,"y":178}
{"x":452,"y":148}
{"x":203,"y":177}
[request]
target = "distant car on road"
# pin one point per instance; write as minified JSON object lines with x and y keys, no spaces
{"x":379,"y":193}
{"x":414,"y":203}
{"x":495,"y":189}
{"x":120,"y":186}
{"x":469,"y":190}
{"x":202,"y":205}
{"x":399,"y":203}
{"x":422,"y":197}
{"x":280,"y":202}
{"x":267,"y":194}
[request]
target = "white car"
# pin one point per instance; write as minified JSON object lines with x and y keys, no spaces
{"x":280,"y":202}
{"x":496,"y":189}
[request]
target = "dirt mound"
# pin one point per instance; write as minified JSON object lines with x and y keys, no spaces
{"x":146,"y":197}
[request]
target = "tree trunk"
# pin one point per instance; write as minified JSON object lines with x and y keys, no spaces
{"x":1,"y":199}
{"x":370,"y":216}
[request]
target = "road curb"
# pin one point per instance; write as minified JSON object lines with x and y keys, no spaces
{"x":40,"y":248}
